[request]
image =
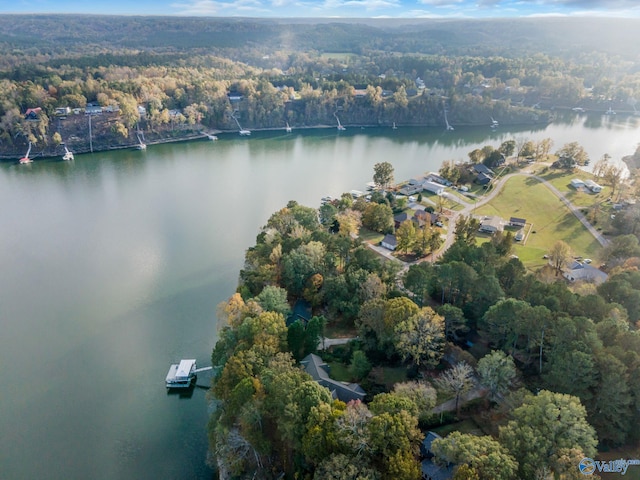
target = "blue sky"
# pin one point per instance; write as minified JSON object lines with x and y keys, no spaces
{"x":333,"y":8}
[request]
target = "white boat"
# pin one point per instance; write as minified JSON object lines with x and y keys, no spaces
{"x":213,"y":138}
{"x":494,"y":123}
{"x":245,"y":133}
{"x":142,"y":146}
{"x":394,"y":126}
{"x":610,"y":112}
{"x":340,"y":127}
{"x":182,"y":374}
{"x":26,"y":158}
{"x":288,"y":128}
{"x":68,"y":154}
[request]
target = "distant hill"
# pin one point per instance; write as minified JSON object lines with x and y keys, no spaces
{"x":60,"y":35}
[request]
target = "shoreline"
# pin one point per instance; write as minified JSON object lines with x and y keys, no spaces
{"x":203,"y":134}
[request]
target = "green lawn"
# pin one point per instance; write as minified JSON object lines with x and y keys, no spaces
{"x":339,"y":371}
{"x":370,"y":236}
{"x":562,"y":181}
{"x":548,"y":219}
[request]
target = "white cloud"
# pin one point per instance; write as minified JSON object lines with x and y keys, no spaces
{"x":213,"y":7}
{"x":441,"y":3}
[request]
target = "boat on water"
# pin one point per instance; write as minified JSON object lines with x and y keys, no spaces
{"x":181,"y":375}
{"x":26,"y":158}
{"x":213,"y":138}
{"x":610,"y":112}
{"x":245,"y":133}
{"x":288,"y":128}
{"x":394,"y":126}
{"x":68,"y":154}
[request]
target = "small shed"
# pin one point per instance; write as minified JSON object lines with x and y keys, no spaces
{"x":390,"y":242}
{"x":517,"y":222}
{"x":577,"y":183}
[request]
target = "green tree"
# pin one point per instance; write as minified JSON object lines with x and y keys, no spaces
{"x":559,"y":256}
{"x":406,"y":236}
{"x":458,"y":380}
{"x":339,"y":466}
{"x":483,"y":454}
{"x":421,"y":393}
{"x":360,"y":365}
{"x":383,"y":175}
{"x":378,"y":217}
{"x":274,"y":299}
{"x":542,"y":427}
{"x":496,"y":372}
{"x":420,"y":338}
{"x":575,"y":153}
{"x":455,"y":325}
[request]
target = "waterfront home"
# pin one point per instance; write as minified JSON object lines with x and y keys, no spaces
{"x":434,"y":177}
{"x":319,"y":371}
{"x":412,"y":187}
{"x":433,"y":187}
{"x":593,"y":186}
{"x":483,"y":179}
{"x":482,"y":168}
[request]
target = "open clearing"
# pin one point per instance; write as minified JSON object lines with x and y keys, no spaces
{"x":551,"y":221}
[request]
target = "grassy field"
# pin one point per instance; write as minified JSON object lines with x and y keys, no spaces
{"x":562,"y":181}
{"x":547,"y":219}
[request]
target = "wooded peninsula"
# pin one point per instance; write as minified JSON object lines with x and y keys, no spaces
{"x":412,"y":332}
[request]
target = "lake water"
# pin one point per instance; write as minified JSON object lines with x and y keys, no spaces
{"x":112,"y":267}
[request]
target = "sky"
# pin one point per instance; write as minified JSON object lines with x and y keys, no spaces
{"x":333,"y":8}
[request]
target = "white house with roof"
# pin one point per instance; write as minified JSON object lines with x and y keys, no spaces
{"x":578,"y":271}
{"x":593,"y":186}
{"x":491,"y":224}
{"x":577,"y":183}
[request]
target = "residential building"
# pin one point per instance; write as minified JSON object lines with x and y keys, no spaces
{"x":390,"y":242}
{"x":517,"y":222}
{"x":431,"y":470}
{"x":578,"y":271}
{"x":491,"y":224}
{"x":400,"y":217}
{"x":433,"y":187}
{"x":593,"y":186}
{"x":319,"y":371}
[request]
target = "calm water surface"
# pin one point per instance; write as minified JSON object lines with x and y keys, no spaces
{"x":112,"y":267}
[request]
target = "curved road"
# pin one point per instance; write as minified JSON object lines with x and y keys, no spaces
{"x":469,"y":208}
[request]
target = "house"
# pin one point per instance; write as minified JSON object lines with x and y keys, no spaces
{"x":433,"y":187}
{"x":578,"y":271}
{"x":431,"y":470}
{"x":482,"y":168}
{"x":142,"y":111}
{"x":593,"y":186}
{"x":491,"y":225}
{"x":390,"y":242}
{"x":412,"y":187}
{"x":423,"y":217}
{"x":517,"y":222}
{"x":577,"y":183}
{"x":319,"y":371}
{"x":32,"y":113}
{"x":93,"y":110}
{"x":235,"y":97}
{"x":434,"y":177}
{"x":483,"y":179}
{"x":400,"y":217}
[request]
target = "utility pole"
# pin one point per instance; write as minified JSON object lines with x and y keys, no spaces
{"x":90,"y":139}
